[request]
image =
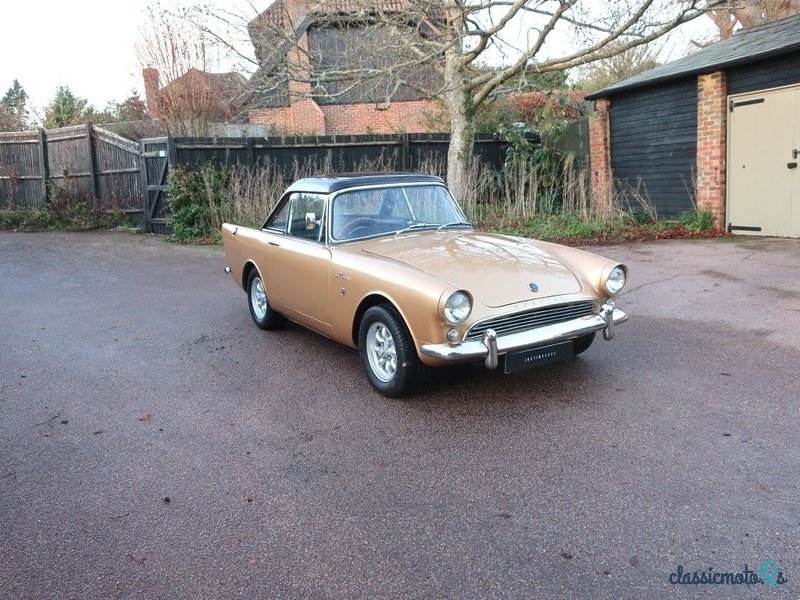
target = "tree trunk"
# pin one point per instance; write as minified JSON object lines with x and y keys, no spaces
{"x":459,"y":153}
{"x":462,"y":123}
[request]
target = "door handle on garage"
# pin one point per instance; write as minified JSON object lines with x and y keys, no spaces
{"x":795,"y":152}
{"x":791,"y":165}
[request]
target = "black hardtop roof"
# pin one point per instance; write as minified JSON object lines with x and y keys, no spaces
{"x":327,"y":184}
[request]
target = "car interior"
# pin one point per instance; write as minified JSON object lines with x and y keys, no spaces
{"x":370,"y":212}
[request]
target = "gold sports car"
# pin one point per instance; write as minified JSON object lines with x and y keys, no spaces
{"x":388,"y":264}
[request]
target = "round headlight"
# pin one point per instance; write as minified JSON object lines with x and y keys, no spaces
{"x":457,"y":308}
{"x":616,"y":280}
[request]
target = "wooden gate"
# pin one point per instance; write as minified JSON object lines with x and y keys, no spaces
{"x":157,"y":155}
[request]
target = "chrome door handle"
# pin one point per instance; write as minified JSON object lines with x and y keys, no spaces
{"x":276,"y":244}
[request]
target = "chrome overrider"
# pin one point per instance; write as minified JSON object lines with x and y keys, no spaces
{"x":492,"y":345}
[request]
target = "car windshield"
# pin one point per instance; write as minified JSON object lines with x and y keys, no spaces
{"x":369,"y":212}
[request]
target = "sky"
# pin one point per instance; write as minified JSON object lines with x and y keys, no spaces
{"x":86,"y":44}
{"x":89,"y":45}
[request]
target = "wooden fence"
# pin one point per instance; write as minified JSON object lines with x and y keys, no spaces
{"x":337,"y":154}
{"x":401,"y":152}
{"x":91,"y":162}
{"x":87,"y":161}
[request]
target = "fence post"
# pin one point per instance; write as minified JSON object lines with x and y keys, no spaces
{"x":172,"y":152}
{"x":251,"y":153}
{"x":44,"y":161}
{"x":405,"y":154}
{"x":92,"y":161}
{"x":145,"y":191}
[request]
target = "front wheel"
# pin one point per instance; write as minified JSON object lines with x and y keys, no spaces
{"x":387,"y":352}
{"x":260,"y":308}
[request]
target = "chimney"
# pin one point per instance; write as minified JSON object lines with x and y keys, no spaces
{"x":152,"y":92}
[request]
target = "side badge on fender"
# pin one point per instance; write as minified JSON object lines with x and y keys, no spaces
{"x":533,"y":287}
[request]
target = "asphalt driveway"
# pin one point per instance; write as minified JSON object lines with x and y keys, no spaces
{"x":155,"y":444}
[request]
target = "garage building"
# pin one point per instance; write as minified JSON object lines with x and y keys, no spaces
{"x":720,"y":127}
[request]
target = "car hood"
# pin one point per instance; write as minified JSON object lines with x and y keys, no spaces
{"x":496,"y":269}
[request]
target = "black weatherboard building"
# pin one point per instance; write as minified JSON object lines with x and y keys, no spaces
{"x":719,"y":128}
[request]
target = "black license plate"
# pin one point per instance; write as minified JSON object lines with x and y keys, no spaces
{"x":536,"y":357}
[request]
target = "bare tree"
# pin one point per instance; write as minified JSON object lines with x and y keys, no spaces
{"x":750,"y":13}
{"x":9,"y":121}
{"x":177,"y":59}
{"x":607,"y":71}
{"x":437,"y":46}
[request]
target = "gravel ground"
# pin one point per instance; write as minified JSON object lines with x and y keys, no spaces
{"x":155,"y":444}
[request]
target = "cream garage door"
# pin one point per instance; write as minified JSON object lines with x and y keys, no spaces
{"x":763,"y":158}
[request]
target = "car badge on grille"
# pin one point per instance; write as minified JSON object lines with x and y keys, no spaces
{"x":533,"y":287}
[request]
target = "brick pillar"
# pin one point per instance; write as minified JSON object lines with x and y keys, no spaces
{"x":305,"y":114}
{"x":712,"y":118}
{"x":600,"y":151}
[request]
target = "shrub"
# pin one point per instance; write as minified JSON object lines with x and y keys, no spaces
{"x":195,"y":196}
{"x":697,"y":221}
{"x":64,"y":211}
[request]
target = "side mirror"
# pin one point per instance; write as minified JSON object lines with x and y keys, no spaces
{"x":311,"y":221}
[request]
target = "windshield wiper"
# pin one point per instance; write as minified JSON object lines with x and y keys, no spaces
{"x":414,"y":226}
{"x":454,"y":224}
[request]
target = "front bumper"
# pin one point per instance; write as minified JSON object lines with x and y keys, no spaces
{"x":492,"y":346}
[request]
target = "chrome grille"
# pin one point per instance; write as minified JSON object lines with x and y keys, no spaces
{"x":530,"y":319}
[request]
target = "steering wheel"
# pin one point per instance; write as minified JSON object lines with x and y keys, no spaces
{"x":363,"y":226}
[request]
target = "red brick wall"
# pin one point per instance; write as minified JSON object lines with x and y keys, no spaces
{"x":409,"y":117}
{"x":305,"y":116}
{"x":600,"y":149}
{"x":712,"y":115}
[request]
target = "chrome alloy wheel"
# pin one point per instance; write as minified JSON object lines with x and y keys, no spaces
{"x":381,"y":352}
{"x":258,"y":298}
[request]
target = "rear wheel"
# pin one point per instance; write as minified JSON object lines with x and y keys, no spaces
{"x":582,"y":344}
{"x":387,"y":352}
{"x":260,"y":309}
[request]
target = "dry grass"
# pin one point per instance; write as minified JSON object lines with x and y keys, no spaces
{"x":525,"y":197}
{"x":250,"y":194}
{"x":522,"y":191}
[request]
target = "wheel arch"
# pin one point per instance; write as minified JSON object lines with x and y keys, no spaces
{"x":248,"y":266}
{"x":376,"y":299}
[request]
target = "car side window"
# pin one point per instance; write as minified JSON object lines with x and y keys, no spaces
{"x":280,"y":219}
{"x":306,"y":216}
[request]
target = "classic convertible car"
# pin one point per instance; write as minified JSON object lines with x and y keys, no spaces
{"x":389,"y":264}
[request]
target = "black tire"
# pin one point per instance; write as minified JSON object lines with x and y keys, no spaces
{"x":263,"y":315}
{"x":582,"y":344}
{"x":391,"y":380}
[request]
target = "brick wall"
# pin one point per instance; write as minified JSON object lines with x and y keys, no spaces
{"x":410,"y":117}
{"x":712,"y":114}
{"x":306,"y":116}
{"x":600,"y":149}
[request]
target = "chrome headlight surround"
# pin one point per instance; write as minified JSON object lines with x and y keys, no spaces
{"x":457,"y":308}
{"x":615,"y":280}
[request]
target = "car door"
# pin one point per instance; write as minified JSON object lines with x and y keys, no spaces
{"x":299,"y":261}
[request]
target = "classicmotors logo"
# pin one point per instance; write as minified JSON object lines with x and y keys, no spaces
{"x":768,"y":573}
